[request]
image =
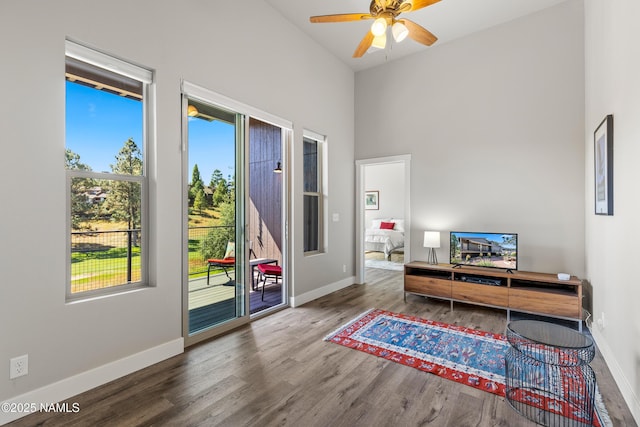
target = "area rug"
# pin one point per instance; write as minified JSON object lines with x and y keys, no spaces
{"x":468,"y":356}
{"x":385,"y":265}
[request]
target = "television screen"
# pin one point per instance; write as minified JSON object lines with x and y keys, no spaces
{"x":496,"y":250}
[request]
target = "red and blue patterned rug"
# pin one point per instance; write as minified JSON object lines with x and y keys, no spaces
{"x":468,"y":356}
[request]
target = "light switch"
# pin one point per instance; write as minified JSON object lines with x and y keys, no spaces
{"x":336,"y":217}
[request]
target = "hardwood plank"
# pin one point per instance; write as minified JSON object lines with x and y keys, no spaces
{"x":277,"y":371}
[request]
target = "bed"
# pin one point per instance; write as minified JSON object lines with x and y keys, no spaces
{"x":385,"y":235}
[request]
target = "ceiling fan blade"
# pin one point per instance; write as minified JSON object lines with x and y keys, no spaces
{"x":419,"y":4}
{"x":418,"y":33}
{"x":364,"y":45}
{"x":341,"y":17}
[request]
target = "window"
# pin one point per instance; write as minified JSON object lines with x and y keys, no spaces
{"x":106,"y":119}
{"x":313,"y":193}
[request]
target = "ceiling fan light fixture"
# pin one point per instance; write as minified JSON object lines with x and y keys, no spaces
{"x":399,"y":31}
{"x":379,"y":27}
{"x":379,"y":42}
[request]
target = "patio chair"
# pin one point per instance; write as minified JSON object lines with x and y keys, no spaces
{"x":254,"y":261}
{"x":226,"y":263}
{"x":269,"y":270}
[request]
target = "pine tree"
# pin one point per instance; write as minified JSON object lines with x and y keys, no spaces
{"x":216,"y":177}
{"x":200,"y":201}
{"x":124,"y":199}
{"x":80,"y":206}
{"x":220,"y":193}
{"x":195,"y":185}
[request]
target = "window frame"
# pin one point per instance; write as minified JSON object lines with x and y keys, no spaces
{"x":320,"y":141}
{"x":146,"y":77}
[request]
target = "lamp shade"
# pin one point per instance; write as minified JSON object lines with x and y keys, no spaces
{"x":379,"y":27}
{"x":192,"y":111}
{"x":379,"y":42}
{"x":431,"y":239}
{"x":399,"y":31}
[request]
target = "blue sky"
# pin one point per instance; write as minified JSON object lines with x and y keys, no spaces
{"x":98,"y":123}
{"x":211,"y":146}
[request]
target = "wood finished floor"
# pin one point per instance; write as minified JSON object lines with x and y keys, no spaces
{"x":278,"y":371}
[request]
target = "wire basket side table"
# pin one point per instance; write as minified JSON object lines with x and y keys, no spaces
{"x":547,"y":373}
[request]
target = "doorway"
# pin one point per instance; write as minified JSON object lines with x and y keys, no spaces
{"x":383,"y":187}
{"x":215,"y":206}
{"x":265,"y":216}
{"x":235,"y":229}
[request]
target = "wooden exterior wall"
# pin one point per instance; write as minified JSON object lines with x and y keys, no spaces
{"x":265,"y":190}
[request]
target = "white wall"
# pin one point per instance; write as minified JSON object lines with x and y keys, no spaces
{"x":613,"y":87}
{"x":495,"y":126}
{"x":388,"y":180}
{"x":249,"y":53}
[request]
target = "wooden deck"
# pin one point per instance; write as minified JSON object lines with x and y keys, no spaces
{"x":201,"y":295}
{"x":215,"y":303}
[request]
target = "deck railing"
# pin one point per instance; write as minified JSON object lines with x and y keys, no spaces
{"x":102,"y":259}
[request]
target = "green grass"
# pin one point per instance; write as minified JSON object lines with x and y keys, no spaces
{"x":88,"y":269}
{"x":105,"y":268}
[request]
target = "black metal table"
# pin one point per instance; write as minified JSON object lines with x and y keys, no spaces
{"x":547,"y":374}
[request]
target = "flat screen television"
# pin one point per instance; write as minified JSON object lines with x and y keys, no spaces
{"x":493,"y":250}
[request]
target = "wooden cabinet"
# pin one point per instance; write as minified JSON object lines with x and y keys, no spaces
{"x":480,"y":294}
{"x":528,"y":292}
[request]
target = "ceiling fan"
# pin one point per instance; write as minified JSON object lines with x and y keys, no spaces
{"x":385,"y":14}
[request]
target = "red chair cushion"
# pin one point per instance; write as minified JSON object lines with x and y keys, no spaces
{"x":224,"y":261}
{"x":274,"y":270}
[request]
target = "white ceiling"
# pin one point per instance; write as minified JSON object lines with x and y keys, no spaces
{"x":448,"y":20}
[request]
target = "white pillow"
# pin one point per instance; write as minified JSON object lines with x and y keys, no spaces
{"x":399,"y":224}
{"x":375,"y":223}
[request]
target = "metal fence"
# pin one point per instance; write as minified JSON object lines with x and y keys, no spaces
{"x":197,"y":263}
{"x":101,"y":259}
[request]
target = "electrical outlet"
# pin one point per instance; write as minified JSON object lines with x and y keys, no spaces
{"x":18,"y":366}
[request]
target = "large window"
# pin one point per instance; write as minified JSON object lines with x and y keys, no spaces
{"x":313,"y":191}
{"x":106,"y":129}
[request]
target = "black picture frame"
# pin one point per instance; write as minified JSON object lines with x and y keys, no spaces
{"x":603,"y":166}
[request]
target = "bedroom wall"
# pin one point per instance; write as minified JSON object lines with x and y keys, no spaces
{"x":76,"y":346}
{"x":495,"y":126}
{"x":388,"y":179}
{"x":613,"y":87}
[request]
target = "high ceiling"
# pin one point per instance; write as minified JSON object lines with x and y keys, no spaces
{"x":448,"y":20}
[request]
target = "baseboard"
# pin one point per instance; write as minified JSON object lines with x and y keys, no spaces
{"x":297,"y":301}
{"x":622,"y":382}
{"x":80,"y":383}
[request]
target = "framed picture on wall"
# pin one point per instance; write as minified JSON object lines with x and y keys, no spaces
{"x":603,"y":165}
{"x":371,"y":201}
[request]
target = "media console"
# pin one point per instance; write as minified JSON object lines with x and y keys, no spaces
{"x":522,"y":291}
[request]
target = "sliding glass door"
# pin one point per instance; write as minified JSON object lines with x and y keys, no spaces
{"x":265,"y":213}
{"x":235,"y":207}
{"x":215,"y":208}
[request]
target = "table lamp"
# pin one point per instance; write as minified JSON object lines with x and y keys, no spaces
{"x":432,"y":241}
